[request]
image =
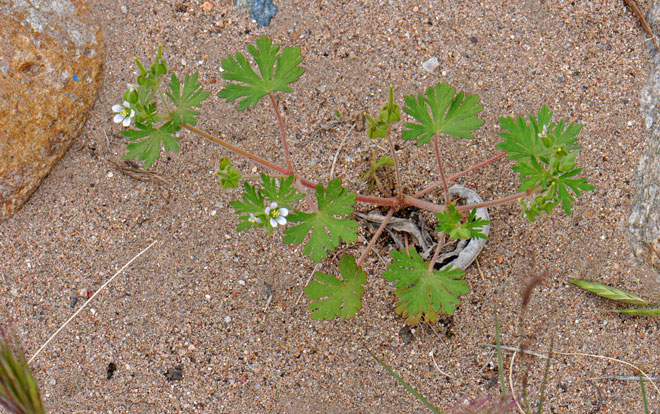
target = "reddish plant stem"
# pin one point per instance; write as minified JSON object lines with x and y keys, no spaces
{"x":285,"y":145}
{"x":460,"y":174}
{"x":237,"y":150}
{"x":367,"y":249}
{"x":442,"y":172}
{"x":502,"y":200}
{"x":389,"y":202}
{"x":441,"y":243}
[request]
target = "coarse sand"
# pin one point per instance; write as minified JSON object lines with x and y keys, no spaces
{"x":189,"y":327}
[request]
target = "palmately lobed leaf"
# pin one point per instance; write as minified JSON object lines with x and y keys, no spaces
{"x":277,"y":72}
{"x":184,"y":100}
{"x":441,"y":111}
{"x":423,"y":292}
{"x":324,"y":229}
{"x":337,"y":297}
{"x":148,"y":149}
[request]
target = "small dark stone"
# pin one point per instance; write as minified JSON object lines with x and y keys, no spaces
{"x":406,"y":335}
{"x":110,"y":370}
{"x":74,"y":301}
{"x":473,"y":40}
{"x":175,"y":373}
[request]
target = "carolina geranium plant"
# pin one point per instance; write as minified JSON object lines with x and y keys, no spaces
{"x":544,"y":153}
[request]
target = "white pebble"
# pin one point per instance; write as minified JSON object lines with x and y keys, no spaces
{"x":53,"y":381}
{"x":241,"y":282}
{"x":183,"y":62}
{"x":124,"y":9}
{"x":208,"y":297}
{"x":431,"y":65}
{"x":110,"y":174}
{"x":227,"y":319}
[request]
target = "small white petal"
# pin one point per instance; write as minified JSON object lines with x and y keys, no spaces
{"x":132,"y":113}
{"x":117,"y":108}
{"x":126,"y":104}
{"x":118,"y":118}
{"x":284,"y":211}
{"x":273,"y":205}
{"x":273,"y":223}
{"x":281,"y":220}
{"x":267,"y":210}
{"x":127,"y":121}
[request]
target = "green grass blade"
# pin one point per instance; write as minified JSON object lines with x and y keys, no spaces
{"x":640,"y":312}
{"x":405,"y":384}
{"x":545,"y":377}
{"x":500,"y":362}
{"x":609,"y":292}
{"x":644,"y":400}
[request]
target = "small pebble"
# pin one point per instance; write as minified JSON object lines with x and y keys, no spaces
{"x":110,"y":174}
{"x":52,"y":381}
{"x":227,"y":319}
{"x":207,"y":5}
{"x":268,"y":290}
{"x":207,"y":296}
{"x":123,"y":9}
{"x":431,"y":65}
{"x":241,"y":282}
{"x":74,"y":301}
{"x":14,"y":292}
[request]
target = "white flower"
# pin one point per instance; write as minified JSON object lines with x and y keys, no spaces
{"x":277,"y":215}
{"x":544,"y":133}
{"x":132,"y":87}
{"x":123,"y":113}
{"x":254,"y":219}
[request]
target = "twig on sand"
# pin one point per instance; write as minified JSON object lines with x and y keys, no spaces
{"x":89,"y":300}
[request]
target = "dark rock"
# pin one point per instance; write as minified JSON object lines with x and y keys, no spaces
{"x":51,"y":57}
{"x":644,"y":220}
{"x":175,"y":373}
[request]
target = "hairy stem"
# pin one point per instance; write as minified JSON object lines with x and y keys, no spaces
{"x":389,"y":202}
{"x":442,"y":173}
{"x":285,"y":144}
{"x":237,"y":150}
{"x":367,"y":249}
{"x":460,"y":174}
{"x":499,"y":201}
{"x":441,"y":243}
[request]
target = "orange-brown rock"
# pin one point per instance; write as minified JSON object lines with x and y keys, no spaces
{"x":51,"y":55}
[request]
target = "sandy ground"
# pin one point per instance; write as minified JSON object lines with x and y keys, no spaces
{"x":196,"y":300}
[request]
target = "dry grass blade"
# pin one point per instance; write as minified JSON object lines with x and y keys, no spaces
{"x":89,"y":300}
{"x":609,"y":292}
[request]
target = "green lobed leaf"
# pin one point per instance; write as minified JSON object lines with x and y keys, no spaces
{"x":608,"y":292}
{"x":184,"y":100}
{"x":284,"y":195}
{"x":334,"y":296}
{"x":326,"y":229}
{"x":227,"y":175}
{"x":640,"y":312}
{"x":276,"y":72}
{"x":440,"y":111}
{"x":450,"y":222}
{"x":423,"y":292}
{"x":252,"y":202}
{"x":148,"y":149}
{"x":545,"y":156}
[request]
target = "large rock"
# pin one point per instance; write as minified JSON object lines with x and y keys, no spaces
{"x":51,"y":55}
{"x":644,"y":221}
